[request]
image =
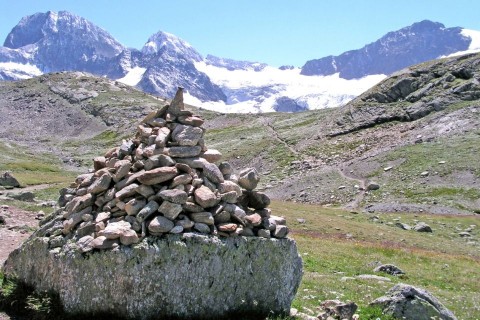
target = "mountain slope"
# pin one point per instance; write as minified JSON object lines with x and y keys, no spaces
{"x":415,"y":134}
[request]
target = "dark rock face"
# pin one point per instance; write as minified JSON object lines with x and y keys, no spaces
{"x":414,"y":93}
{"x":286,"y":104}
{"x":422,"y":41}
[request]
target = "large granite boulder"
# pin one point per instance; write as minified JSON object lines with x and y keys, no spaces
{"x":184,"y":276}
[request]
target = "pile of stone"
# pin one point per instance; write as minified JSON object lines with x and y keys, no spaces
{"x":164,"y":181}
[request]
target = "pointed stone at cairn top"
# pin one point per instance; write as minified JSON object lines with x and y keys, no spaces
{"x":177,"y":106}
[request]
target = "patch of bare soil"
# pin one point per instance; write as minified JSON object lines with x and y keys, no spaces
{"x":17,"y":226}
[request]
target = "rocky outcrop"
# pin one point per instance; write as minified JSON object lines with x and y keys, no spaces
{"x":156,"y":216}
{"x":407,"y":302}
{"x":413,"y":94}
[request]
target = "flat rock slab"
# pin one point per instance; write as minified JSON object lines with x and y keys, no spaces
{"x":187,"y":276}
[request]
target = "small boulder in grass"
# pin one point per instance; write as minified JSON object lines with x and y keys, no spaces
{"x":404,"y":301}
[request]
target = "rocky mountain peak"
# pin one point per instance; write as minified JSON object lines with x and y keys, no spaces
{"x":421,"y":41}
{"x":163,"y":42}
{"x":55,"y":28}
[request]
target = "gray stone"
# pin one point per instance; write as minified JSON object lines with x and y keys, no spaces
{"x":170,"y":210}
{"x":102,"y":216}
{"x":87,"y":229}
{"x":228,"y":186}
{"x":373,"y":277}
{"x":73,"y":219}
{"x":222,"y":217}
{"x":129,"y":237}
{"x":181,"y":179}
{"x":192,"y":207}
{"x":237,"y":213}
{"x":115,"y":229}
{"x":389,"y":268}
{"x":174,"y":195}
{"x":145,"y":191}
{"x":128,"y":191}
{"x":177,"y":106}
{"x":255,"y":200}
{"x":201,"y":227}
{"x":281,"y":231}
{"x":151,"y":207}
{"x":177,"y":229}
{"x":205,"y":197}
{"x":157,"y":175}
{"x":248,"y":178}
{"x":129,"y":179}
{"x":225,"y":168}
{"x":126,"y":148}
{"x":103,"y":243}
{"x":134,"y":206}
{"x":186,"y":135}
{"x":403,"y":226}
{"x":229,"y":197}
{"x":185,"y":223}
{"x":162,"y":137}
{"x":191,"y":120}
{"x":373,"y":186}
{"x":160,"y":225}
{"x":85,"y":244}
{"x":422,"y":227}
{"x":407,"y":302}
{"x":159,"y":160}
{"x":203,"y":217}
{"x":122,"y":168}
{"x":26,"y":196}
{"x":213,"y":174}
{"x":211,"y":155}
{"x":264,"y":233}
{"x":195,"y":163}
{"x":7,"y":180}
{"x":254,"y":219}
{"x":184,"y":152}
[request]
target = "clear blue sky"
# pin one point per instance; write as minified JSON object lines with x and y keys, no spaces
{"x":278,"y":32}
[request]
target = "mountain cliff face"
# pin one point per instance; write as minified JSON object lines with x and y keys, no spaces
{"x":422,"y":41}
{"x":169,"y":63}
{"x":51,"y":41}
{"x":62,"y":41}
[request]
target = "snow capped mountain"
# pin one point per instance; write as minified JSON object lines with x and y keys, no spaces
{"x":422,"y":41}
{"x":47,"y":42}
{"x":62,"y":41}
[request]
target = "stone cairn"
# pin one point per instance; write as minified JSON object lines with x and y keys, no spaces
{"x":164,"y":181}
